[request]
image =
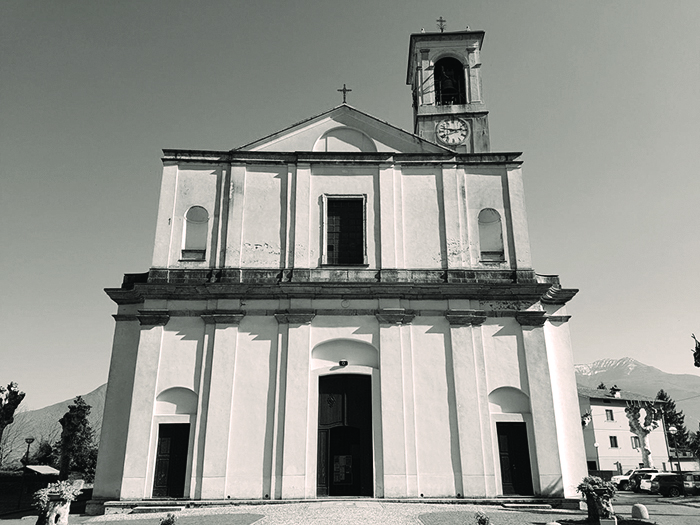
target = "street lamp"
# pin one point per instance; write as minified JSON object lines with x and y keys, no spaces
{"x":28,"y":441}
{"x":673,"y":431}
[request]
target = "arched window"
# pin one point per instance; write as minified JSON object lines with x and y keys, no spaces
{"x":490,"y":236}
{"x":195,"y":234}
{"x":449,"y":82}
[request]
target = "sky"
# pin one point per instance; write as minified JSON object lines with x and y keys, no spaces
{"x":602,"y":98}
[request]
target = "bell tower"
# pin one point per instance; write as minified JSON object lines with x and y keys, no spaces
{"x":444,"y":72}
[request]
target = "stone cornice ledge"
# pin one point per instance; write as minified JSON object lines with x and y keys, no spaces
{"x":465,"y":317}
{"x":394,"y":316}
{"x":153,"y":317}
{"x":558,"y":295}
{"x":233,"y":317}
{"x":531,"y":318}
{"x":295,"y":316}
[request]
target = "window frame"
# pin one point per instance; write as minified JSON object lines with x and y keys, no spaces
{"x":613,"y":442}
{"x":609,"y":415}
{"x":324,"y":228}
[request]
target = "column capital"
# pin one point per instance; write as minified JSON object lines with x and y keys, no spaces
{"x":531,"y":318}
{"x":153,"y":317}
{"x":558,"y":318}
{"x":394,"y":316}
{"x":233,"y":317}
{"x":465,"y":317}
{"x":295,"y":316}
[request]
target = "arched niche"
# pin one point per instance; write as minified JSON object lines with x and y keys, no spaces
{"x":357,"y":353}
{"x":509,"y":400}
{"x":345,"y":140}
{"x":176,"y":400}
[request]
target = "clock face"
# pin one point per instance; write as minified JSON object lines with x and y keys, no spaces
{"x":452,"y":131}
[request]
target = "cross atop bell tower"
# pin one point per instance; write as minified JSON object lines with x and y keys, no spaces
{"x":444,"y":72}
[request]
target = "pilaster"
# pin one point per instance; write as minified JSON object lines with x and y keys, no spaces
{"x":296,"y":402}
{"x":394,"y":427}
{"x":476,"y":459}
{"x":142,"y":403}
{"x":222,"y":334}
{"x":541,"y":402}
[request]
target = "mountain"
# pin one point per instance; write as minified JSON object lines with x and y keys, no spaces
{"x":630,"y":374}
{"x":42,"y":424}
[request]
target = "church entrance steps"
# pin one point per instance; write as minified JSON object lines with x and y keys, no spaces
{"x":527,"y":506}
{"x":148,"y":510}
{"x":511,"y":503}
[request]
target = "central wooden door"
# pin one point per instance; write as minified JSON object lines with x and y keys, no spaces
{"x":514,"y":453}
{"x":171,"y":460}
{"x":345,"y":461}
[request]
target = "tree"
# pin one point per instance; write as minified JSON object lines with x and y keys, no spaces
{"x":696,"y":351}
{"x":77,"y":448}
{"x":643,"y":427}
{"x":12,"y":443}
{"x":673,"y":418}
{"x":694,"y":442}
{"x":10,"y":398}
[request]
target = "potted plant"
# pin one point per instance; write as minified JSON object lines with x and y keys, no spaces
{"x":54,"y":501}
{"x":599,"y":495}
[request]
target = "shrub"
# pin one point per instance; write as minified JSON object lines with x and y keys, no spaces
{"x":170,"y":519}
{"x":65,"y":491}
{"x":482,"y":519}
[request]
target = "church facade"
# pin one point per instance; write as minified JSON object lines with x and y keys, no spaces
{"x":344,"y":308}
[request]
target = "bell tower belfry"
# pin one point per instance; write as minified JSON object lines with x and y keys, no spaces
{"x":444,"y":72}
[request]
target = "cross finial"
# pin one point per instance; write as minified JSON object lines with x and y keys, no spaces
{"x":441,"y":23}
{"x":344,"y":91}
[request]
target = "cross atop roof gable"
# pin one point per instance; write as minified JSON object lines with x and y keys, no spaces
{"x":343,"y":129}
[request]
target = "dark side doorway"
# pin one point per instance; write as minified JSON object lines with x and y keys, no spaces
{"x":514,"y":452}
{"x":345,"y":463}
{"x":171,"y":460}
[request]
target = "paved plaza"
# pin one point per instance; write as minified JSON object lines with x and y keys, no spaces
{"x":680,"y":511}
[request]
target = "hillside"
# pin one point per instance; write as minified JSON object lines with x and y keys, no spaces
{"x":42,"y":424}
{"x":629,"y":374}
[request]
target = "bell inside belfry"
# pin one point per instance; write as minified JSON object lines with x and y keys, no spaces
{"x":449,"y":85}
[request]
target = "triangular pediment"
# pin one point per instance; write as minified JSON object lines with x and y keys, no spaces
{"x":344,"y":129}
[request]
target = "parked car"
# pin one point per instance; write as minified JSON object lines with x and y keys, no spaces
{"x":646,"y":480}
{"x":622,"y":481}
{"x":666,"y":484}
{"x":691,"y":482}
{"x":636,"y":477}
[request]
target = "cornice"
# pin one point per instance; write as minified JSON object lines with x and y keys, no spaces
{"x":125,"y":317}
{"x":232,"y":317}
{"x":295,"y":316}
{"x":465,"y":317}
{"x":313,"y":157}
{"x":394,"y":316}
{"x":558,"y":295}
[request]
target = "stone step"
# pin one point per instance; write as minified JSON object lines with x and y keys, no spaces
{"x":150,"y":509}
{"x":527,"y":506}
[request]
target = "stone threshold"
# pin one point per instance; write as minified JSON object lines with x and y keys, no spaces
{"x":174,"y":505}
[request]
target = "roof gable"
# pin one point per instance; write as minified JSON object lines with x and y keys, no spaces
{"x":344,"y":129}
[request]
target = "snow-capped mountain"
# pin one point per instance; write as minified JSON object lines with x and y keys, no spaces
{"x":630,"y":374}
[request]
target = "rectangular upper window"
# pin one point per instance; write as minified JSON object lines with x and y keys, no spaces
{"x":609,"y":415}
{"x":635,"y":441}
{"x":613,"y":442}
{"x":345,"y":230}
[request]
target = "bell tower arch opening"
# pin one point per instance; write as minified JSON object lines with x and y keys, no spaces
{"x":449,"y":82}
